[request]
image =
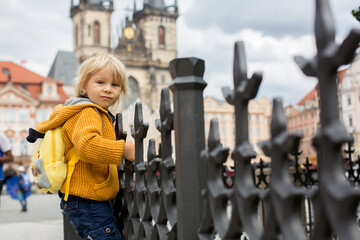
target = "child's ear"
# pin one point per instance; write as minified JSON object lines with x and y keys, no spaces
{"x":83,"y":91}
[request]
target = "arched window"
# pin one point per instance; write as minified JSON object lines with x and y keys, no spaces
{"x":161,"y":33}
{"x":96,"y":32}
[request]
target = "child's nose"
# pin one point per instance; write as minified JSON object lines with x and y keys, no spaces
{"x":108,"y":87}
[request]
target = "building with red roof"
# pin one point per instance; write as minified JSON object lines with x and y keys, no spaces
{"x":349,"y":92}
{"x":26,"y":98}
{"x":304,"y":117}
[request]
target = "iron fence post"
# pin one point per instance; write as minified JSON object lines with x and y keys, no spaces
{"x":336,"y":201}
{"x":187,"y":87}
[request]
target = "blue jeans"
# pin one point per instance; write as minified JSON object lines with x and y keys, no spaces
{"x":91,"y":219}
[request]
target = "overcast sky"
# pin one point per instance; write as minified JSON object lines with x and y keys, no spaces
{"x":273,"y":31}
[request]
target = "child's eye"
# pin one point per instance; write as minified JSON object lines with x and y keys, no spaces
{"x":100,"y":82}
{"x":115,"y":85}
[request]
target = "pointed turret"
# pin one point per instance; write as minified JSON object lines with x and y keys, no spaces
{"x":91,"y":24}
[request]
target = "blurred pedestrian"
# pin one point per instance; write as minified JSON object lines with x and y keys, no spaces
{"x":24,"y":188}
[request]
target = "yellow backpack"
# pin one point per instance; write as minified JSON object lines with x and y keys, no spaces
{"x":49,"y":161}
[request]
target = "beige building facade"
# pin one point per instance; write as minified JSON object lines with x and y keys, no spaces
{"x":349,"y":91}
{"x":26,"y":98}
{"x":259,"y":111}
{"x":304,"y":118}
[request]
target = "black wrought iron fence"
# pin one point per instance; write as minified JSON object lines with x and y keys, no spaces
{"x":190,"y":199}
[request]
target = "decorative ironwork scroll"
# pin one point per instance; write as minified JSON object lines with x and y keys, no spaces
{"x":336,"y":201}
{"x":167,"y":167}
{"x":136,"y":194}
{"x":244,"y":195}
{"x":284,"y":212}
{"x":198,"y":205}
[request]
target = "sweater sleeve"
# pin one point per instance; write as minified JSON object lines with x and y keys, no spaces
{"x":88,"y":140}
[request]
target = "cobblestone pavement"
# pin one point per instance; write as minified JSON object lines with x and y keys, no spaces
{"x":42,"y":221}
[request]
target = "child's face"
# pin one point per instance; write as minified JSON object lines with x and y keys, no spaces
{"x":101,"y":88}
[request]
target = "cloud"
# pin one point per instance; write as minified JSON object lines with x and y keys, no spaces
{"x":35,"y":31}
{"x":277,"y":18}
{"x":273,"y":57}
{"x":273,"y":32}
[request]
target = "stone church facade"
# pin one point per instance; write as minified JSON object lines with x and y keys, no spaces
{"x":147,"y":45}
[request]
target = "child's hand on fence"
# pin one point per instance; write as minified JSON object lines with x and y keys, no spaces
{"x":129,"y":151}
{"x":128,"y":166}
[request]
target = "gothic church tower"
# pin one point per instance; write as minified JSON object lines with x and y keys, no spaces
{"x":147,"y":45}
{"x":91,"y":27}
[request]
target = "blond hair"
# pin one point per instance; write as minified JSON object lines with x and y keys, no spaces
{"x":97,"y":62}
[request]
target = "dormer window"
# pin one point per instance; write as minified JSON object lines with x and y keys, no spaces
{"x":5,"y":71}
{"x":49,"y":90}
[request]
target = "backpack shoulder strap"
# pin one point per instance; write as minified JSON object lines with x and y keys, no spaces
{"x":70,"y":169}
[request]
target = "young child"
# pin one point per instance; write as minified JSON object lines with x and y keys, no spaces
{"x":88,"y":128}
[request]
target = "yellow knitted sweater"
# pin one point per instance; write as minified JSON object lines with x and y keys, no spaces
{"x":95,"y":176}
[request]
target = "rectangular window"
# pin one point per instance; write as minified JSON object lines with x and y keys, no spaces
{"x":41,"y":115}
{"x":24,"y":115}
{"x":349,"y":100}
{"x":9,"y":115}
{"x":24,"y":147}
{"x":223,"y":131}
{"x":11,"y":141}
{"x":350,"y":121}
